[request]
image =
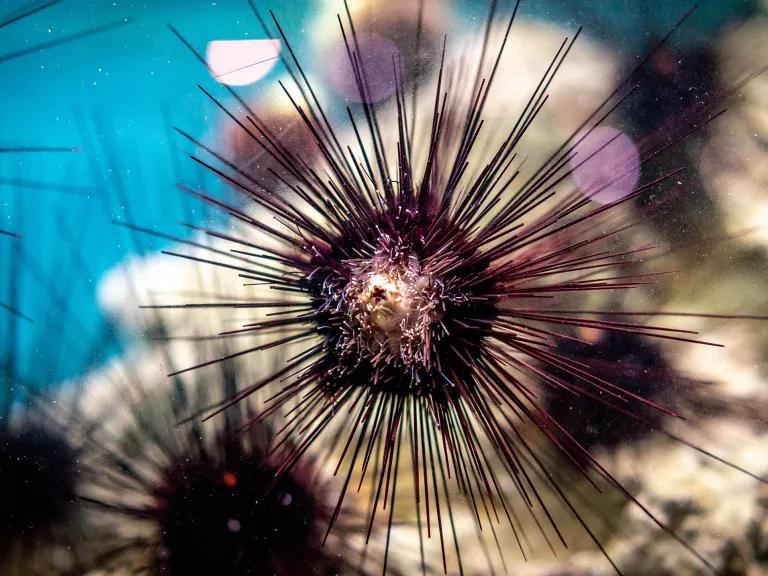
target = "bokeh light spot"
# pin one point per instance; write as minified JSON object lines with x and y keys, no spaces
{"x":378,"y":55}
{"x":606,"y":165}
{"x":241,"y":62}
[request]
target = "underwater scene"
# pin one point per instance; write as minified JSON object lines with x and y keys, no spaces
{"x":384,"y":287}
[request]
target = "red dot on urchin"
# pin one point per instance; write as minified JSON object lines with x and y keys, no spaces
{"x":229,"y":479}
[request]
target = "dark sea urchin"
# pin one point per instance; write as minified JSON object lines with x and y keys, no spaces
{"x":430,"y":284}
{"x":216,"y":510}
{"x":194,"y":499}
{"x":220,"y":509}
{"x":41,"y":442}
{"x":38,"y":475}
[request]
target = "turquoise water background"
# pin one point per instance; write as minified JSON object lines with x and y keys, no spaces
{"x":115,"y":97}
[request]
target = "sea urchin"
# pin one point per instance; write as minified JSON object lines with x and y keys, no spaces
{"x":429,"y":288}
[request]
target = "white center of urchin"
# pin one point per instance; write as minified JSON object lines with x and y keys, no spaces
{"x":391,"y":309}
{"x":395,"y":310}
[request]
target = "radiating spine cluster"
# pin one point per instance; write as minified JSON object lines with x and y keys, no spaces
{"x":430,"y":289}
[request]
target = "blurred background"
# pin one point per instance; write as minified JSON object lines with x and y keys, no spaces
{"x":116,"y":96}
{"x":107,"y":104}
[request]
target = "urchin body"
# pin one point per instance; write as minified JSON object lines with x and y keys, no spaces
{"x":226,"y":517}
{"x":424,"y":288}
{"x":388,"y":307}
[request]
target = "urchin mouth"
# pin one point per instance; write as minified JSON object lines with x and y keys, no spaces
{"x":393,"y":311}
{"x":387,"y":307}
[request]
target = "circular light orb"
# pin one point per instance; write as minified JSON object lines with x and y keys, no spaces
{"x":606,"y":165}
{"x":241,"y":62}
{"x":378,"y":58}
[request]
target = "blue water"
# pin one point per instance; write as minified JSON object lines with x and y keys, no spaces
{"x":115,"y":97}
